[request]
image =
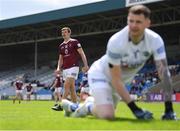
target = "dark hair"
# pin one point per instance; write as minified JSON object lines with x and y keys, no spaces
{"x":140,"y":9}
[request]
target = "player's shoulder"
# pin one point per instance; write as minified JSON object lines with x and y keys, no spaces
{"x":61,"y":44}
{"x":120,"y":34}
{"x":153,"y":38}
{"x":19,"y":81}
{"x":74,"y":40}
{"x":152,"y":34}
{"x":120,"y":38}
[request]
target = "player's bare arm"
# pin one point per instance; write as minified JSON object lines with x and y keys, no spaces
{"x":165,"y":77}
{"x":84,"y":59}
{"x":60,"y":62}
{"x":117,"y":82}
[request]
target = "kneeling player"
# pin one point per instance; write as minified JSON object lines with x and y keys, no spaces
{"x":84,"y":88}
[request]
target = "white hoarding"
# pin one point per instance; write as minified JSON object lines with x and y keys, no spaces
{"x":135,"y":2}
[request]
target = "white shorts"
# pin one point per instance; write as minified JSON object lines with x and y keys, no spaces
{"x":58,"y":90}
{"x":19,"y":91}
{"x":71,"y":72}
{"x":101,"y":89}
{"x":28,"y":93}
{"x":85,"y":90}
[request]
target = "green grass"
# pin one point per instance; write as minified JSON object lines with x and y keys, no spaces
{"x":37,"y":115}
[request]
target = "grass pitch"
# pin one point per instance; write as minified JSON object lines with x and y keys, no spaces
{"x":37,"y":115}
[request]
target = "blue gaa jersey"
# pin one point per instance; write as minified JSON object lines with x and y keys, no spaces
{"x":121,"y":51}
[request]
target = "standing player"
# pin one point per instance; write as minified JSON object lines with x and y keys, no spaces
{"x":127,"y":51}
{"x":70,"y":52}
{"x":18,"y":84}
{"x":58,"y":82}
{"x":29,"y":91}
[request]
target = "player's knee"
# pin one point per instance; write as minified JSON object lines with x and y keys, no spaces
{"x":106,"y":115}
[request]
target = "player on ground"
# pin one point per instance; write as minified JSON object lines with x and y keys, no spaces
{"x":127,"y":51}
{"x":84,"y":88}
{"x":70,"y":52}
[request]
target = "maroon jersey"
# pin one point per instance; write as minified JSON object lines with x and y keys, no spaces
{"x":69,"y":53}
{"x":18,"y":85}
{"x":29,"y":88}
{"x":58,"y":81}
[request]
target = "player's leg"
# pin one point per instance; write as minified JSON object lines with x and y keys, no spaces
{"x":59,"y":94}
{"x":66,"y":88}
{"x":169,"y":112}
{"x":168,"y":115}
{"x":59,"y":106}
{"x":55,"y":97}
{"x":101,"y":103}
{"x":104,"y":109}
{"x":19,"y":97}
{"x":74,"y":71}
{"x":14,"y":99}
{"x":72,"y":90}
{"x":68,"y":106}
{"x":27,"y":97}
{"x":84,"y":109}
{"x":71,"y":75}
{"x":16,"y":96}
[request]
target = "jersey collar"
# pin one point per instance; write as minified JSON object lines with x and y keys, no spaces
{"x":129,"y":39}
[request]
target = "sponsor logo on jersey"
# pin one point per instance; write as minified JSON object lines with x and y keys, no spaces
{"x":73,"y":74}
{"x":160,"y":50}
{"x":79,"y":45}
{"x":146,"y":53}
{"x":132,"y":65}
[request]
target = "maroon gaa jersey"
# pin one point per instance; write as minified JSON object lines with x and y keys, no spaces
{"x":18,"y":85}
{"x":29,"y":88}
{"x":69,"y":53}
{"x":58,"y":81}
